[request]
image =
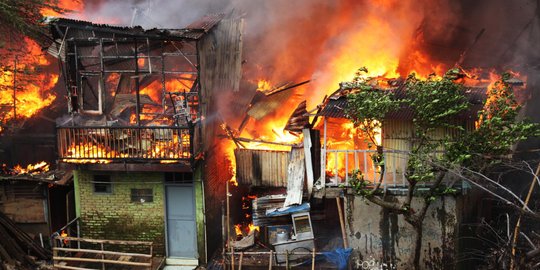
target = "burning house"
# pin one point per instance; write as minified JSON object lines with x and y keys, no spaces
{"x":311,"y":174}
{"x":138,"y":121}
{"x":183,"y":142}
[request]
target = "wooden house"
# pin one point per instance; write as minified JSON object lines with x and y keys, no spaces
{"x":139,"y":125}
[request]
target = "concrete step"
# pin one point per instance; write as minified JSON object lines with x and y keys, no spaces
{"x":180,"y":264}
{"x":178,"y":267}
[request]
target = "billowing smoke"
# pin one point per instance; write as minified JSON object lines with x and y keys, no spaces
{"x":326,"y":41}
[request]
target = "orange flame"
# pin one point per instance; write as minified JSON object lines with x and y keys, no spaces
{"x":31,"y":90}
{"x":31,"y":169}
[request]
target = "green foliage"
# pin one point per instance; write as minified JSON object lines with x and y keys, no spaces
{"x":368,"y":106}
{"x":496,"y":132}
{"x":435,"y":101}
{"x":23,"y":17}
{"x":358,"y":184}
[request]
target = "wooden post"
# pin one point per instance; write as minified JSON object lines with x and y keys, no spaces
{"x":241,"y":259}
{"x":55,"y":251}
{"x":228,"y":215}
{"x":313,"y":259}
{"x":151,"y":257}
{"x":342,"y":223}
{"x":287,"y":259}
{"x":15,"y":89}
{"x":232,"y":258}
{"x":309,"y":164}
{"x":223,"y":233}
{"x":518,"y":223}
{"x":270,"y":260}
{"x":102,"y":258}
{"x":137,"y":87}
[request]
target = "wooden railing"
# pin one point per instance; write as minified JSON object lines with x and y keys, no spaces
{"x":107,"y":144}
{"x":95,"y":254}
{"x":338,"y":164}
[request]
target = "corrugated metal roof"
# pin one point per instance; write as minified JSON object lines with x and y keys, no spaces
{"x":194,"y":31}
{"x":206,"y":22}
{"x":337,"y":102}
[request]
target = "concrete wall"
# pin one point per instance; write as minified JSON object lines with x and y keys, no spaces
{"x":113,"y":216}
{"x":380,"y":237}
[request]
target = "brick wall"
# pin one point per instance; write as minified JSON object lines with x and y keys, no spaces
{"x":113,"y":216}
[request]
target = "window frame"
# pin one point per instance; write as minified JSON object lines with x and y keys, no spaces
{"x":104,"y":180}
{"x":140,"y":196}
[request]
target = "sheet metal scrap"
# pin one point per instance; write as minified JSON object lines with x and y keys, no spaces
{"x":299,"y":119}
{"x":266,"y":102}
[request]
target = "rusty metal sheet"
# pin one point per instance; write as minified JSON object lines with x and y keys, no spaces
{"x":206,"y":22}
{"x":336,"y":104}
{"x":261,"y":167}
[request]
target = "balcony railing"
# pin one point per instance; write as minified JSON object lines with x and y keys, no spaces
{"x":338,"y":164}
{"x":109,"y":144}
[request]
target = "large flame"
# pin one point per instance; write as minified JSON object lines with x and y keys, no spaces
{"x":24,"y":89}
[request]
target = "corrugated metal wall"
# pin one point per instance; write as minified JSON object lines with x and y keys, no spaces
{"x":261,"y":167}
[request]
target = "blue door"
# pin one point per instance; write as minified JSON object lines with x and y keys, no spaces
{"x":181,"y":229}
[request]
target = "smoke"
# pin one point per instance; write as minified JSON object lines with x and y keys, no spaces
{"x":326,"y":41}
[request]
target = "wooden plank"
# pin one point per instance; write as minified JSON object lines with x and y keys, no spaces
{"x":102,"y":252}
{"x":309,"y":164}
{"x":101,"y":261}
{"x":58,"y":266}
{"x":295,"y":177}
{"x":342,"y":223}
{"x":117,"y":242}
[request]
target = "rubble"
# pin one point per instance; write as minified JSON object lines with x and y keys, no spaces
{"x":17,"y":249}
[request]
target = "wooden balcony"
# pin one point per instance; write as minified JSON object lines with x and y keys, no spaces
{"x":338,"y":164}
{"x":124,"y":144}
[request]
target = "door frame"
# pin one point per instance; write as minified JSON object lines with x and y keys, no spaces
{"x":166,"y":206}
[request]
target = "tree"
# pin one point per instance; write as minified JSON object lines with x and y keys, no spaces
{"x":22,"y":59}
{"x":436,"y":102}
{"x":23,"y":18}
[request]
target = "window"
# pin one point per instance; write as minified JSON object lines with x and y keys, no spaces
{"x":179,"y":178}
{"x":143,"y":195}
{"x":102,"y":184}
{"x":302,"y":225}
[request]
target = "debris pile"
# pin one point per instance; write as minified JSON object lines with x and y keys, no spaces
{"x":18,"y":249}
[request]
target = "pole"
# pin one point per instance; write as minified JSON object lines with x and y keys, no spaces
{"x":342,"y":223}
{"x":518,"y":224}
{"x":228,"y":215}
{"x":313,"y":260}
{"x":137,"y":85}
{"x":223,"y":233}
{"x":15,"y":88}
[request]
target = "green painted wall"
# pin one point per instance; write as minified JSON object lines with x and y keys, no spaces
{"x":114,"y":216}
{"x":200,"y":215}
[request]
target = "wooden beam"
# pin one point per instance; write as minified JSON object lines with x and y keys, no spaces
{"x":55,"y":266}
{"x":100,"y":261}
{"x":103,"y":252}
{"x":342,"y":223}
{"x":309,"y":164}
{"x":98,"y":241}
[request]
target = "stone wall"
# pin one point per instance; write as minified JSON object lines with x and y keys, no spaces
{"x":383,"y":239}
{"x":113,"y":216}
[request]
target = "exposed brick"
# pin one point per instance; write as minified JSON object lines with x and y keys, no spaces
{"x":114,"y":216}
